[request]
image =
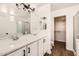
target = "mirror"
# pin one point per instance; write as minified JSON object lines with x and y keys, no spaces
{"x":23,"y":27}
{"x":13,"y":21}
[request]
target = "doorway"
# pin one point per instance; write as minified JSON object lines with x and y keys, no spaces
{"x":60,"y":28}
{"x":59,"y":48}
{"x":59,"y":35}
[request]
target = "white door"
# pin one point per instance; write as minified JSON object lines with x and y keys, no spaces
{"x":40,"y":49}
{"x":20,"y":52}
{"x":32,"y":49}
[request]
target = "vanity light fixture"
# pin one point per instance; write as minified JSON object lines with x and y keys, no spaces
{"x":43,"y":19}
{"x":43,"y":22}
{"x":26,"y":7}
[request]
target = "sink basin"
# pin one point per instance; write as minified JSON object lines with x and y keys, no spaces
{"x":4,"y":37}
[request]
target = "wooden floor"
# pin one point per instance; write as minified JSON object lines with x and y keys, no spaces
{"x":59,"y":49}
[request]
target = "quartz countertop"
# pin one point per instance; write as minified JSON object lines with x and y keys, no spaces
{"x":8,"y":45}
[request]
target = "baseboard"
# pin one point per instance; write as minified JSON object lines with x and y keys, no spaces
{"x":59,"y":41}
{"x":75,"y":54}
{"x":52,"y":43}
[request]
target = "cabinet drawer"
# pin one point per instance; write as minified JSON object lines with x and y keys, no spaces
{"x":20,"y":52}
{"x":32,"y":49}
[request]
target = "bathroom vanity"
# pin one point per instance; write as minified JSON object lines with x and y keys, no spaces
{"x":27,"y":45}
{"x":23,"y":33}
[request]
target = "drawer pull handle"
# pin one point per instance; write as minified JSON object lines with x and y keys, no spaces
{"x":29,"y":50}
{"x":24,"y":52}
{"x":44,"y":40}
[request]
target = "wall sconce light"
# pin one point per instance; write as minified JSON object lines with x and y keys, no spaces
{"x":44,"y":18}
{"x":43,"y":23}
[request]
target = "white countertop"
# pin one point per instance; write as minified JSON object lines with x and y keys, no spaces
{"x":9,"y":45}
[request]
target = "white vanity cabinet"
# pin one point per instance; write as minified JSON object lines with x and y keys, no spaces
{"x":32,"y":49}
{"x":77,"y":47}
{"x":43,"y":46}
{"x":19,"y":52}
{"x":29,"y":50}
{"x":36,"y":48}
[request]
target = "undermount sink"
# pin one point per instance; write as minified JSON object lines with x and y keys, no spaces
{"x":3,"y":36}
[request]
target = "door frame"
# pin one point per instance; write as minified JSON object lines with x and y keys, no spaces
{"x":74,"y":43}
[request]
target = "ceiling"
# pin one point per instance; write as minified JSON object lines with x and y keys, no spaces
{"x":57,"y":6}
{"x":54,"y":6}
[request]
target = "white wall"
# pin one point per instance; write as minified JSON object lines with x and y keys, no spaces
{"x":45,"y":11}
{"x":69,"y":12}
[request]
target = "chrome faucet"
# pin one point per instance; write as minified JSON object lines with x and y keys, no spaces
{"x":14,"y":37}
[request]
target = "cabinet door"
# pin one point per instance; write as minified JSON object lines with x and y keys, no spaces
{"x":40,"y":48}
{"x":45,"y":45}
{"x":20,"y":52}
{"x":32,"y":49}
{"x":77,"y":47}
